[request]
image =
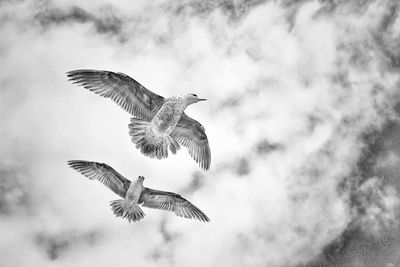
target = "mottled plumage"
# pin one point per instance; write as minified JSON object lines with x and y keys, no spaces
{"x":159,"y":123}
{"x":135,"y":194}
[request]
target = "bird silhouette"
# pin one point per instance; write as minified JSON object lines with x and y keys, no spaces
{"x":135,"y":194}
{"x":158,"y":123}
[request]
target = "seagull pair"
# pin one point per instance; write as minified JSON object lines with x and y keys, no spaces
{"x":158,"y":124}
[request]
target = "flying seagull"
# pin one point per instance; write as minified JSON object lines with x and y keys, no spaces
{"x":158,"y":123}
{"x":135,"y":194}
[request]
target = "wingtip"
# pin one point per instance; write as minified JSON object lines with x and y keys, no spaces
{"x":71,"y":73}
{"x":202,"y":218}
{"x":76,"y":164}
{"x":71,"y":76}
{"x":206,"y":219}
{"x":205,"y":166}
{"x":73,"y":164}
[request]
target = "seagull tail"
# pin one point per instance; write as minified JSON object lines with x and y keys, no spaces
{"x":133,"y":213}
{"x":148,"y":142}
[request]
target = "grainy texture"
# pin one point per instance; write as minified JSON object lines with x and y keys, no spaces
{"x":134,"y":194}
{"x":165,"y":117}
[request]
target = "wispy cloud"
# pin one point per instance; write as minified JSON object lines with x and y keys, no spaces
{"x":302,"y":98}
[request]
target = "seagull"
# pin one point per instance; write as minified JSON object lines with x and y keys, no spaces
{"x":135,"y":194}
{"x":158,"y":123}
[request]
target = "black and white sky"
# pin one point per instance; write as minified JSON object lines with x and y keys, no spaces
{"x":302,"y":118}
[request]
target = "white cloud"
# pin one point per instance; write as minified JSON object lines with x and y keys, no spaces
{"x":314,"y":90}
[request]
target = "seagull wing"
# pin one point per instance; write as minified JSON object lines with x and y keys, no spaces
{"x":191,"y":134}
{"x":125,"y":91}
{"x":104,"y":173}
{"x":156,"y":199}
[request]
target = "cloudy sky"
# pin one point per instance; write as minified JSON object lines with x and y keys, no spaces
{"x":302,"y":118}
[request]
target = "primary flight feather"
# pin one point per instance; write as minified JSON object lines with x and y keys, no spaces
{"x":133,"y":193}
{"x":158,"y":123}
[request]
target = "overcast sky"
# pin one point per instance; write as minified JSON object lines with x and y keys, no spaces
{"x":302,"y":118}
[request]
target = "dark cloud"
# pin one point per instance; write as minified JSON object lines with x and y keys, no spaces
{"x":235,"y":10}
{"x":230,"y":102}
{"x":15,"y":196}
{"x":57,"y":245}
{"x":195,"y":183}
{"x":384,"y":38}
{"x":104,"y":22}
{"x":265,"y":146}
{"x":242,"y":167}
{"x":164,"y":250}
{"x":381,"y":33}
{"x":357,"y":248}
{"x":381,"y":154}
{"x":370,"y":241}
{"x":350,"y":7}
{"x":239,"y":166}
{"x":387,"y":151}
{"x":291,"y":9}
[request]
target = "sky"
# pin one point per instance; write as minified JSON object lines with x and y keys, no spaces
{"x":302,"y":119}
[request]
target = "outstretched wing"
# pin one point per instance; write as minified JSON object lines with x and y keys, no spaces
{"x":162,"y":200}
{"x":104,"y":173}
{"x":125,"y":91}
{"x":191,"y":134}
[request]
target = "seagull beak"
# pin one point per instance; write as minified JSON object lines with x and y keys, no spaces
{"x":202,"y":99}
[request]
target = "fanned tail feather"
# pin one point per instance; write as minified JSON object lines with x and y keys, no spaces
{"x":149,"y":144}
{"x":134,"y":213}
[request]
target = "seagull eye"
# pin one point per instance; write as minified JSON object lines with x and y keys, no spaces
{"x":194,"y":95}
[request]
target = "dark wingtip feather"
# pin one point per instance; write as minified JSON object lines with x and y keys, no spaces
{"x":73,"y":73}
{"x":78,"y":165}
{"x":201,"y":215}
{"x":196,"y":213}
{"x":72,"y":163}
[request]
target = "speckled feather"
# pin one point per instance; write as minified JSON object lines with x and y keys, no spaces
{"x":135,"y":194}
{"x":168,"y":128}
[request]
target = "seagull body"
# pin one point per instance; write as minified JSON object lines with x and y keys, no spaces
{"x":133,"y":193}
{"x":169,"y":114}
{"x":154,"y":138}
{"x":158,"y":123}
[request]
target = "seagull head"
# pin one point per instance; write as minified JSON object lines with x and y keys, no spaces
{"x":192,"y":98}
{"x":141,"y":178}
